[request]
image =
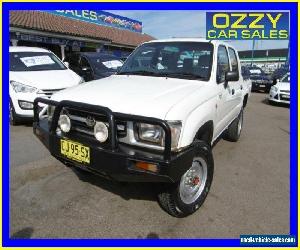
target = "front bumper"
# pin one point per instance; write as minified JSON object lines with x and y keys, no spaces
{"x":259,"y":85}
{"x":279,"y":97}
{"x":118,"y":161}
{"x":21,"y":112}
{"x":16,"y":98}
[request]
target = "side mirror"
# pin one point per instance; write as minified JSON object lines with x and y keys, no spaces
{"x":67,"y":64}
{"x":231,"y":76}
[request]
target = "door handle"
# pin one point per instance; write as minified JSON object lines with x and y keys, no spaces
{"x":241,"y":87}
{"x":220,"y":95}
{"x":232,"y":91}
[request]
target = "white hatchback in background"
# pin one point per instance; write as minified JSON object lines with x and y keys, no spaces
{"x":35,"y":72}
{"x":280,"y":92}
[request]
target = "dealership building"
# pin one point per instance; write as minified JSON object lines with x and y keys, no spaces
{"x":68,"y":31}
{"x":268,"y":59}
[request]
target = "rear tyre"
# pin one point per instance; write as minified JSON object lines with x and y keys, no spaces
{"x":187,"y":196}
{"x":13,"y":118}
{"x":234,"y":130}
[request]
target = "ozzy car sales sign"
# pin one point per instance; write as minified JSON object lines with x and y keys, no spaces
{"x":247,"y":25}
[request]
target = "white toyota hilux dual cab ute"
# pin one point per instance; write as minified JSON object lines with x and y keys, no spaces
{"x":154,"y":121}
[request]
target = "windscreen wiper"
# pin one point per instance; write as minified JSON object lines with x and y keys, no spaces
{"x":139,"y":72}
{"x":185,"y":76}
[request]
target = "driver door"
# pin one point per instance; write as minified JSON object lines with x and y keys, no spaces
{"x":224,"y":97}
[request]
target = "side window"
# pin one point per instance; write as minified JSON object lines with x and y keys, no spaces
{"x":222,"y":64}
{"x":84,"y":63}
{"x":233,"y":60}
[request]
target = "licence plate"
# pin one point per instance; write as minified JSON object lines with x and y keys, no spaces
{"x":262,"y":85}
{"x":285,"y":96}
{"x":75,"y":151}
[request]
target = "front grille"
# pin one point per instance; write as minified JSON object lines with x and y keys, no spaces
{"x":284,"y":97}
{"x":80,"y":124}
{"x":285,"y":91}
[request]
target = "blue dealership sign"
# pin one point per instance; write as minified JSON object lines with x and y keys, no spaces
{"x":247,"y":25}
{"x":101,"y":18}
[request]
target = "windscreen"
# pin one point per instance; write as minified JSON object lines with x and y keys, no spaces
{"x":189,"y":60}
{"x":286,"y":78}
{"x":34,"y":61}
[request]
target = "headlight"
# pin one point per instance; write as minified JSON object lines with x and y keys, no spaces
{"x":64,"y":123}
{"x":150,"y":133}
{"x":22,"y":88}
{"x":274,"y":88}
{"x":156,"y":135}
{"x":100,"y":131}
{"x":50,"y":112}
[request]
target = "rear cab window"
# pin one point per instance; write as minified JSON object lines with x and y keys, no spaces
{"x":222,"y":64}
{"x":233,"y":60}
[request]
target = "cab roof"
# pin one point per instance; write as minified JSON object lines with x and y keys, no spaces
{"x":215,"y":42}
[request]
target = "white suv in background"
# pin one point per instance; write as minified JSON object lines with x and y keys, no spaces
{"x":35,"y":72}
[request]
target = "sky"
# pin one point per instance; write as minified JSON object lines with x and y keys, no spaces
{"x":185,"y":23}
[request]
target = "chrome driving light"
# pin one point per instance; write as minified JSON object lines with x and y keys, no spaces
{"x":25,"y":105}
{"x":64,"y":123}
{"x":100,"y":131}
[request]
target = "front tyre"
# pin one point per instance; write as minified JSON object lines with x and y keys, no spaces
{"x":234,"y":130}
{"x":186,"y":196}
